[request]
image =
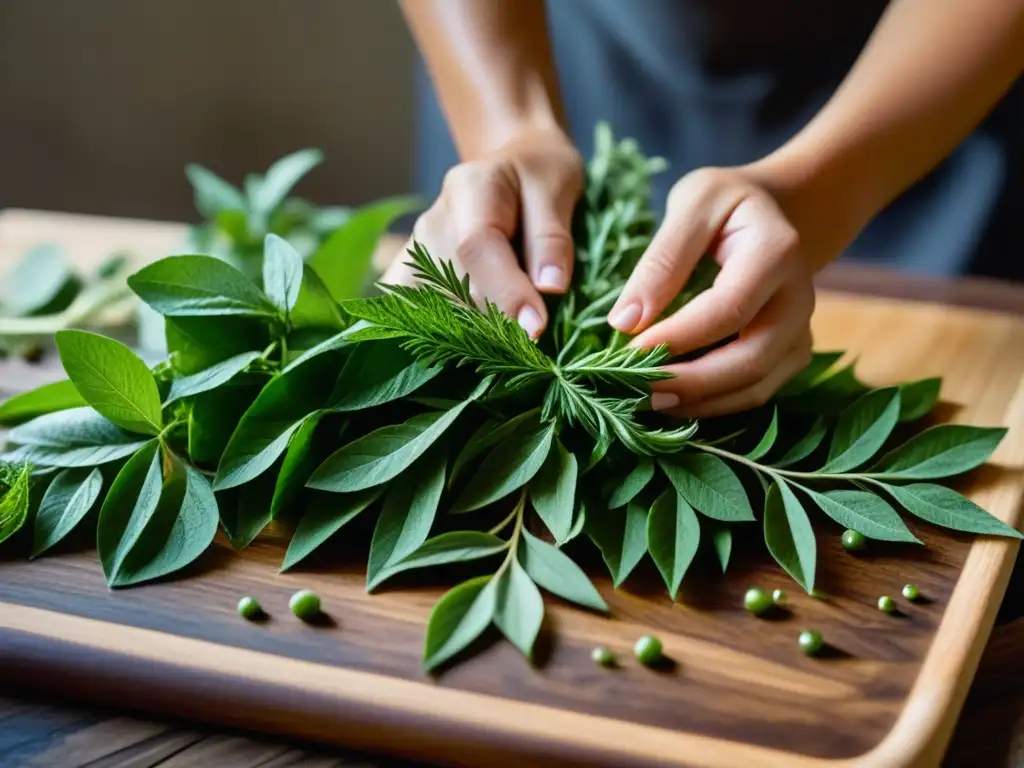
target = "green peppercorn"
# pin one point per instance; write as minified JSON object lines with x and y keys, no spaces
{"x":757,"y":601}
{"x":602,"y":656}
{"x":779,"y":597}
{"x":305,"y":604}
{"x":810,"y":642}
{"x":886,"y":604}
{"x":911,"y":592}
{"x":648,"y":650}
{"x":249,"y":608}
{"x":854,"y":541}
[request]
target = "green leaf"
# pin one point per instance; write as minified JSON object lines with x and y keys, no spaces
{"x":299,"y":462}
{"x":282,"y":177}
{"x":457,"y":619}
{"x":768,"y":440}
{"x":315,"y":307}
{"x":198,"y":286}
{"x":70,"y":496}
{"x":507,"y":468}
{"x":805,"y":446}
{"x":36,"y":282}
{"x":324,"y":517}
{"x":490,"y":433}
{"x":112,"y":379}
{"x":210,"y":378}
{"x":864,"y":512}
{"x":378,"y":372}
{"x":245,"y":510}
{"x":673,"y":535}
{"x":343,"y":261}
{"x":946,"y":508}
{"x":212,"y":193}
{"x":788,"y":534}
{"x":409,"y":510}
{"x":863,"y":429}
{"x":214,"y":416}
{"x":518,"y":608}
{"x":815,"y":372}
{"x":553,"y":491}
{"x":709,"y":486}
{"x":282,"y":272}
{"x":74,"y":437}
{"x":555,"y":571}
{"x":129,"y":505}
{"x":14,"y":505}
{"x":917,"y":398}
{"x":198,"y":343}
{"x":49,"y":398}
{"x":451,"y":547}
{"x":941,"y":451}
{"x":634,"y":483}
{"x":829,"y":395}
{"x":621,"y":535}
{"x":721,"y":538}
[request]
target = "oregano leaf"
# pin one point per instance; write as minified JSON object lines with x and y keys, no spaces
{"x":489,"y":434}
{"x":49,"y":398}
{"x":75,"y":437}
{"x":195,"y":286}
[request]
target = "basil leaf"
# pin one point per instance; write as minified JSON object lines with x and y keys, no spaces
{"x":327,"y":515}
{"x":281,"y":178}
{"x":788,"y":534}
{"x":36,"y":283}
{"x":451,"y":547}
{"x":863,"y":429}
{"x":917,"y":398}
{"x":555,"y":571}
{"x":112,"y":379}
{"x":282,"y":272}
{"x":213,"y":417}
{"x":70,"y":496}
{"x":489,"y":434}
{"x":805,"y":446}
{"x":299,"y":462}
{"x":634,"y":483}
{"x":941,"y":451}
{"x":863,"y":512}
{"x":768,"y":440}
{"x":198,"y":343}
{"x":197,"y":286}
{"x":946,"y":508}
{"x":210,"y":378}
{"x":129,"y":505}
{"x":245,"y":510}
{"x":344,"y":260}
{"x":457,"y":619}
{"x":518,"y":608}
{"x":815,"y":371}
{"x":709,"y":486}
{"x":14,"y":505}
{"x":74,"y":437}
{"x":315,"y":307}
{"x":622,"y":538}
{"x":721,"y":538}
{"x":673,"y":534}
{"x":378,"y":372}
{"x":49,"y":398}
{"x":409,"y":510}
{"x":553,"y":490}
{"x":212,"y":193}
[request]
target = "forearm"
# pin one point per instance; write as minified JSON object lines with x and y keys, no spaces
{"x":929,"y":75}
{"x":491,"y":65}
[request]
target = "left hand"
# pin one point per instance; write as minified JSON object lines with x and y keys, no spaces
{"x":763,"y":293}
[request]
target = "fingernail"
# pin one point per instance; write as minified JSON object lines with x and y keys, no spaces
{"x":530,"y":321}
{"x":662,"y":401}
{"x":551,"y":277}
{"x":625,"y":318}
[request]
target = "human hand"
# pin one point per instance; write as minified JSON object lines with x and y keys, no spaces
{"x":533,"y":180}
{"x":763,"y":293}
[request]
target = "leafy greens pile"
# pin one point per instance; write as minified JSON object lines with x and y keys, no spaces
{"x":461,"y":437}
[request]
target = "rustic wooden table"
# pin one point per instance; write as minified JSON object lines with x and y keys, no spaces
{"x":37,"y":732}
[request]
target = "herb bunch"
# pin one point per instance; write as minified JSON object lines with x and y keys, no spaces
{"x":440,"y":429}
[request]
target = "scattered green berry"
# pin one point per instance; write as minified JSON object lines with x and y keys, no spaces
{"x":602,"y":656}
{"x":305,"y":604}
{"x":854,"y":541}
{"x":249,"y":608}
{"x":886,"y":604}
{"x":779,"y":597}
{"x":757,"y":601}
{"x":810,"y":642}
{"x":31,"y":353}
{"x":911,"y":592}
{"x":648,"y":650}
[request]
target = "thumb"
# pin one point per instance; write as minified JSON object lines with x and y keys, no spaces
{"x":547,"y":238}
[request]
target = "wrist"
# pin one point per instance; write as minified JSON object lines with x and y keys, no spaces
{"x":502,"y":118}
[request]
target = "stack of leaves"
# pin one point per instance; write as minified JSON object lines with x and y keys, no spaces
{"x":438,"y":428}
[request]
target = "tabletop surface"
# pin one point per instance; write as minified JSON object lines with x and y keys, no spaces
{"x":50,"y":733}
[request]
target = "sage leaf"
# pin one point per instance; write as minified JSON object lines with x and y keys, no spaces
{"x":917,"y":398}
{"x":14,"y":505}
{"x":37,"y":282}
{"x":378,"y":372}
{"x":553,"y":570}
{"x":709,"y":486}
{"x":112,"y":380}
{"x":621,"y":535}
{"x":941,"y":451}
{"x":863,"y":429}
{"x":198,"y":343}
{"x":788,"y":534}
{"x":299,"y":462}
{"x":74,"y":437}
{"x":508,"y":467}
{"x":68,"y":499}
{"x":210,"y":378}
{"x":815,"y":371}
{"x":408,"y":514}
{"x":197,"y":286}
{"x":767,"y":440}
{"x":863,"y":512}
{"x":245,"y":510}
{"x":451,"y":547}
{"x":324,"y":517}
{"x":49,"y":398}
{"x":457,"y":619}
{"x":553,"y":490}
{"x":578,"y":523}
{"x":128,"y":507}
{"x":489,"y":434}
{"x":721,"y":539}
{"x":212,"y":193}
{"x":945,"y":507}
{"x":214,"y":415}
{"x":805,"y":446}
{"x":281,"y":178}
{"x":282,"y":272}
{"x":518,"y":608}
{"x":673,"y":535}
{"x":635,"y":482}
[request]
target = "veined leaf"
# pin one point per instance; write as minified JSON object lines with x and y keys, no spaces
{"x":214,"y":415}
{"x":621,"y":535}
{"x":709,"y":486}
{"x":788,"y":534}
{"x":282,"y":177}
{"x":941,"y":451}
{"x":282,"y":272}
{"x":507,"y":468}
{"x":198,"y":343}
{"x":634,"y":483}
{"x":315,"y":307}
{"x":815,"y":371}
{"x":212,"y":193}
{"x":128,"y":507}
{"x":70,"y":496}
{"x":41,"y":283}
{"x":721,"y":538}
{"x":327,"y":515}
{"x":767,"y":440}
{"x":518,"y":608}
{"x":72,"y":438}
{"x":488,"y":435}
{"x":191,"y":286}
{"x":555,"y":571}
{"x":673,"y":534}
{"x":210,"y":378}
{"x":553,"y":490}
{"x":49,"y":398}
{"x":245,"y":510}
{"x":805,"y":446}
{"x":863,"y":512}
{"x":458,"y":618}
{"x":378,"y":372}
{"x":14,"y":505}
{"x":451,"y":547}
{"x":945,"y":507}
{"x":917,"y":398}
{"x":299,"y":462}
{"x":863,"y":429}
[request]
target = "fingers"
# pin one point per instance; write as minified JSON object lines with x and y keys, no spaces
{"x":547,"y":234}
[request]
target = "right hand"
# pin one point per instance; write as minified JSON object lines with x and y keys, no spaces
{"x":534,"y":180}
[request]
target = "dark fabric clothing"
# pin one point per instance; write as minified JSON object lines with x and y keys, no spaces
{"x":723,"y":82}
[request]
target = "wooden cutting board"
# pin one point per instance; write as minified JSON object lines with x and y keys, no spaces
{"x":737,"y":694}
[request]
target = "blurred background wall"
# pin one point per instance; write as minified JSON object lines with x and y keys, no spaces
{"x":103,"y":102}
